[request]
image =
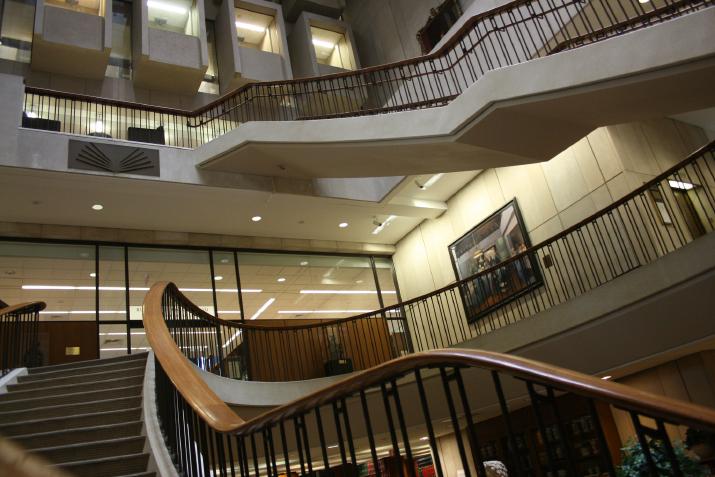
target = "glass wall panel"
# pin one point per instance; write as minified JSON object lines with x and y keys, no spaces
{"x":57,"y":274}
{"x":384,"y":270}
{"x":178,"y":16}
{"x":229,"y":307}
{"x":331,"y":48}
{"x":293,"y":286}
{"x":112,"y":340}
{"x":120,"y":58}
{"x":18,"y":18}
{"x":112,"y":291}
{"x":257,"y":31}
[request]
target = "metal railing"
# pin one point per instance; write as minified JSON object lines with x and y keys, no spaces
{"x":514,"y":33}
{"x":19,"y":343}
{"x":659,"y":217}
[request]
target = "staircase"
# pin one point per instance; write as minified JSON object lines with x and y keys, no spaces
{"x":85,"y":417}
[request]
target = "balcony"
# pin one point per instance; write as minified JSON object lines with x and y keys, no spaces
{"x":71,"y":37}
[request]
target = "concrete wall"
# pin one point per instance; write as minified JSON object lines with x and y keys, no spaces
{"x":553,"y":195}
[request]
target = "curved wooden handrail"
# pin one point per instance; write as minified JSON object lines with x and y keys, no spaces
{"x":221,"y":418}
{"x":24,"y":307}
{"x":180,"y":371}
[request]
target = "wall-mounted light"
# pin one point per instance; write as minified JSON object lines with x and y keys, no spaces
{"x":680,"y":185}
{"x":166,"y":7}
{"x":382,"y":225}
{"x":250,"y":27}
{"x":323,"y":43}
{"x":430,"y":182}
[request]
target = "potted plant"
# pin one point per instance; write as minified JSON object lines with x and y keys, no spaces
{"x":701,"y":443}
{"x":633,"y":461}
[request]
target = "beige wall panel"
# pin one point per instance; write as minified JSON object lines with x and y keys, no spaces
{"x":633,"y":148}
{"x":605,"y":153}
{"x":413,"y":273}
{"x":528,"y":184}
{"x":565,"y":179}
{"x":436,"y":236}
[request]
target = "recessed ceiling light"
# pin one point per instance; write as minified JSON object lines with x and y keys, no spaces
{"x":250,"y":27}
{"x":97,"y":207}
{"x":342,"y":225}
{"x":281,"y":279}
{"x":218,"y":277}
{"x":256,"y":218}
{"x":31,"y":114}
{"x":93,"y":275}
{"x":606,"y":378}
{"x":304,"y":263}
{"x":424,"y":438}
{"x":643,"y":1}
{"x":224,"y":260}
{"x":358,"y":281}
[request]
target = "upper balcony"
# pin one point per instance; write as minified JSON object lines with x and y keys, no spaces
{"x":71,"y":37}
{"x":493,"y":95}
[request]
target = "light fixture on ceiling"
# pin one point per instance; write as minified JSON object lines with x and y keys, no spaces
{"x":263,"y":308}
{"x":250,"y":27}
{"x":97,"y":207}
{"x":323,"y":43}
{"x":344,"y":292}
{"x":381,"y":225}
{"x":218,"y":278}
{"x":281,"y":279}
{"x":606,"y":378}
{"x":30,"y":114}
{"x":343,"y":225}
{"x":97,"y":127}
{"x":643,"y":1}
{"x":256,"y":218}
{"x":93,"y":275}
{"x":334,"y":446}
{"x":320,"y":312}
{"x":681,"y":185}
{"x":430,"y":182}
{"x":424,"y":438}
{"x":304,"y":263}
{"x":224,"y":260}
{"x":108,"y":288}
{"x":166,"y":7}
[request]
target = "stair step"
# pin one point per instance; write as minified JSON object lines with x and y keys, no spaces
{"x":94,"y":450}
{"x":89,"y":374}
{"x":86,"y":364}
{"x":108,"y":467}
{"x":79,"y":435}
{"x":48,"y":391}
{"x":69,"y":422}
{"x":67,"y":410}
{"x":143,"y":474}
{"x":81,"y":397}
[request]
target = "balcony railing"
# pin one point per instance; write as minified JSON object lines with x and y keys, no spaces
{"x":659,"y":217}
{"x":514,"y":33}
{"x":19,"y":343}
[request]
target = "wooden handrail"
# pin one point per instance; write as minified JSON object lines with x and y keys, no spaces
{"x":221,"y":418}
{"x":16,"y":462}
{"x":28,"y":306}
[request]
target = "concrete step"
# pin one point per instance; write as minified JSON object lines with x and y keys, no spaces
{"x":65,"y":410}
{"x":109,"y":466}
{"x":74,"y":398}
{"x":79,"y":435}
{"x":47,"y":391}
{"x":18,"y":428}
{"x":94,"y":450}
{"x":95,"y":373}
{"x":86,"y":364}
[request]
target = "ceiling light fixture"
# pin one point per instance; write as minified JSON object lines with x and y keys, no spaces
{"x":263,"y":308}
{"x":93,"y":275}
{"x":643,"y":1}
{"x":323,"y":312}
{"x":323,"y":43}
{"x":281,"y":279}
{"x":430,"y":182}
{"x":166,"y":7}
{"x":108,"y":288}
{"x":335,"y":446}
{"x":344,"y":292}
{"x":250,"y":27}
{"x":382,"y":225}
{"x":256,"y":218}
{"x":218,"y":278}
{"x":97,"y":126}
{"x":342,"y":225}
{"x":31,"y":114}
{"x":606,"y":378}
{"x":680,"y":185}
{"x":97,"y":207}
{"x":303,"y":263}
{"x":424,"y":438}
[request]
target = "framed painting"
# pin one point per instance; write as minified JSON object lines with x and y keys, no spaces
{"x":493,"y":244}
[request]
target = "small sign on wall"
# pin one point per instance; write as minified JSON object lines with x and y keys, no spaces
{"x":72,"y":351}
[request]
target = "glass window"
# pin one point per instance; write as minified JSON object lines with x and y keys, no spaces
{"x":210,"y":82}
{"x":331,"y":48}
{"x":257,"y":31}
{"x":91,"y":7}
{"x":120,"y":59}
{"x":293,"y":286}
{"x":179,"y":16}
{"x":227,"y":300}
{"x":60,"y":275}
{"x":112,"y":288}
{"x":18,"y":17}
{"x":386,"y":278}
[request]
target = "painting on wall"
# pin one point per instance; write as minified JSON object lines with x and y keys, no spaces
{"x":490,"y":244}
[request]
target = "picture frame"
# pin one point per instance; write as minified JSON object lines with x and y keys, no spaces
{"x":494,"y":241}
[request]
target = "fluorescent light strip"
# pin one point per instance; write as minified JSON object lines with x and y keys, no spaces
{"x":379,"y":228}
{"x":250,"y":26}
{"x":263,"y":308}
{"x":345,"y":292}
{"x":680,"y":185}
{"x":83,"y":312}
{"x":432,"y":180}
{"x":166,"y":7}
{"x":105,"y":288}
{"x":323,"y":43}
{"x":304,"y":312}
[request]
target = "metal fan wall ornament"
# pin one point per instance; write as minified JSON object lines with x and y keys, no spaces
{"x":113,"y":158}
